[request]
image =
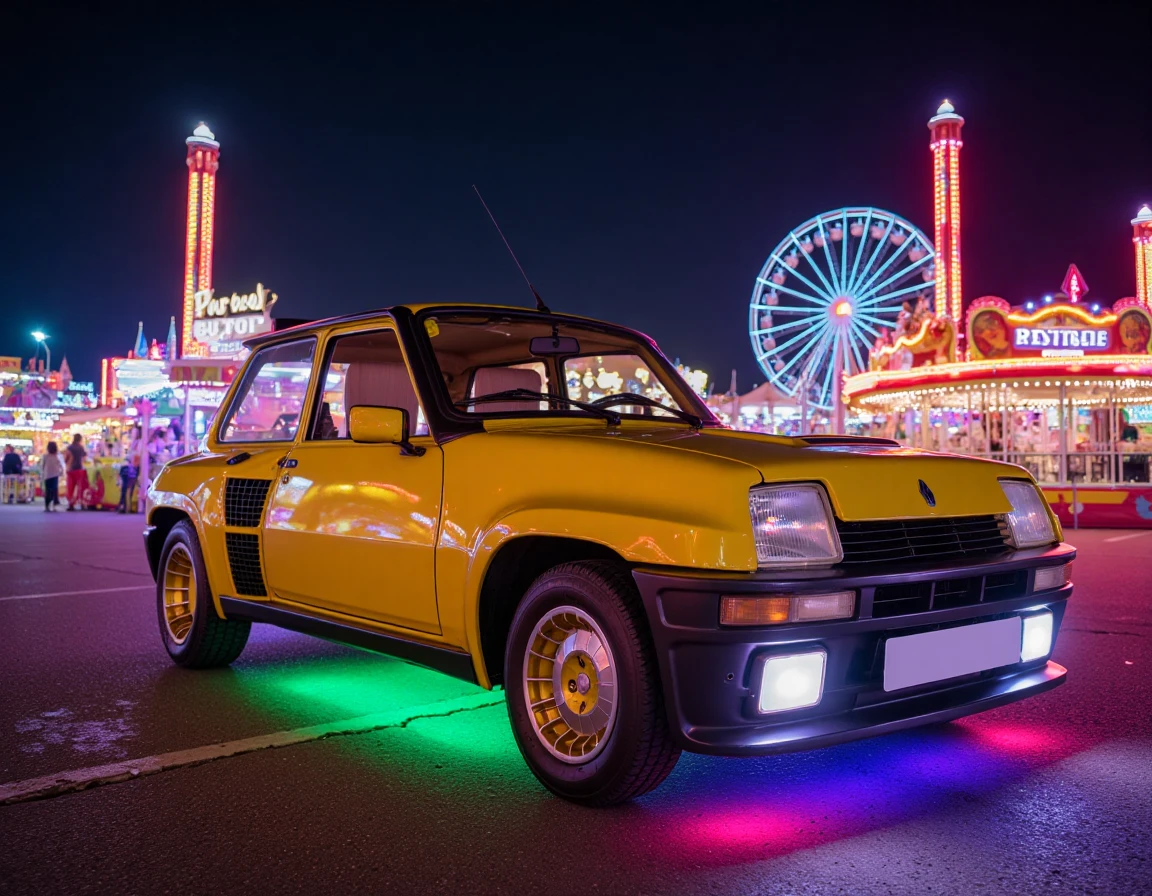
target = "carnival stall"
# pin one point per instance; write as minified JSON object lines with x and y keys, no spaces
{"x":1059,"y":387}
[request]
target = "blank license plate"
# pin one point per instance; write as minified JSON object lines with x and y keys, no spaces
{"x":934,"y":656}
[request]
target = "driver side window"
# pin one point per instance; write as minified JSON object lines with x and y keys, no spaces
{"x":365,"y":369}
{"x":268,"y":402}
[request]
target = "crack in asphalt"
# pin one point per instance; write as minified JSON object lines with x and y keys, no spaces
{"x":49,"y":786}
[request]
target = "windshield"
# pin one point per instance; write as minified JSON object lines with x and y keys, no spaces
{"x":495,"y":364}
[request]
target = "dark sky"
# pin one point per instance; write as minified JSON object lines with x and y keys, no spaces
{"x":643,"y":161}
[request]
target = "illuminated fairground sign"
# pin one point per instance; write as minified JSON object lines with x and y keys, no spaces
{"x":78,"y":395}
{"x":220,"y":324}
{"x":1060,"y":330}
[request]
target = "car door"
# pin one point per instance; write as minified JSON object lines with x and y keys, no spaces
{"x":351,"y":528}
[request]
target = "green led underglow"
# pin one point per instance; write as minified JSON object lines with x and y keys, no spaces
{"x":343,"y":687}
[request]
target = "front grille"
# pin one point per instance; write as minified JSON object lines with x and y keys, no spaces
{"x":244,"y":501}
{"x":920,"y":597}
{"x":244,"y":560}
{"x":885,"y":541}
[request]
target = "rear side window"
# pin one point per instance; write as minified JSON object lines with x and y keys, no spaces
{"x":270,"y":398}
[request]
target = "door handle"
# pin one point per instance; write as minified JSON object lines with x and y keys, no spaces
{"x":287,"y":462}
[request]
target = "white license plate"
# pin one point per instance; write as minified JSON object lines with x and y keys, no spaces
{"x":934,"y":656}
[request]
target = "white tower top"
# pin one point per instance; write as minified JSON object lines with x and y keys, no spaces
{"x":946,"y":112}
{"x":203,"y":136}
{"x":1144,"y":216}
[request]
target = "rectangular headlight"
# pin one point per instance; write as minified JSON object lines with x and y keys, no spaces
{"x":778,"y":609}
{"x":792,"y":526}
{"x":1028,"y":523}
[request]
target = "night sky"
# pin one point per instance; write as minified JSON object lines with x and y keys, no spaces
{"x":643,"y":162}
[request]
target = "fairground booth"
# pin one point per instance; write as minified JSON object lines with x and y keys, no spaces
{"x":1061,"y":386}
{"x":859,"y":322}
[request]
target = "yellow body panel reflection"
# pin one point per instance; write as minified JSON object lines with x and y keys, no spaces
{"x":352,"y":528}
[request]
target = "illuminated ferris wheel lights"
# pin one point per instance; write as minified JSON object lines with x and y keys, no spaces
{"x":858,"y":266}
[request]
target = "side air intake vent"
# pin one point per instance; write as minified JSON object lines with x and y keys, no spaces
{"x":244,"y":559}
{"x":244,"y":502}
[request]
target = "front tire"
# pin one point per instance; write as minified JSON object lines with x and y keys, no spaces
{"x":583,"y":687}
{"x":194,"y":636}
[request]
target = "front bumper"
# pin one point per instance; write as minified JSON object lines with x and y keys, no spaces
{"x":711,"y":675}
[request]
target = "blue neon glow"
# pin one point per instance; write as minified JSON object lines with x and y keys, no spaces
{"x":868,"y":255}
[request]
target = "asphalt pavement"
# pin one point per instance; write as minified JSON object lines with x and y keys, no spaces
{"x":311,"y":768}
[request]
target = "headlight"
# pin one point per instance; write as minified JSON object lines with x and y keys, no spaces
{"x":1028,"y":523}
{"x":792,"y":526}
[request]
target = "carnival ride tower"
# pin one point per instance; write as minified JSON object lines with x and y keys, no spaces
{"x":203,"y":160}
{"x":1142,"y":238}
{"x":945,"y":126}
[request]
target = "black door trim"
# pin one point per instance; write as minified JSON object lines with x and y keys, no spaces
{"x":451,"y":662}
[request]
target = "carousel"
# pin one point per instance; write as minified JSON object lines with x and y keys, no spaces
{"x":1061,"y":387}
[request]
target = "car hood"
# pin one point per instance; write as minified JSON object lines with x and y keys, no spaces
{"x":866,"y":479}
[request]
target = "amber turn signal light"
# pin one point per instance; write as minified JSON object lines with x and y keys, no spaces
{"x":778,"y":609}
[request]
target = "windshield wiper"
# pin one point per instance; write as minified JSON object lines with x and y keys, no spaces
{"x":528,"y":395}
{"x":632,"y":398}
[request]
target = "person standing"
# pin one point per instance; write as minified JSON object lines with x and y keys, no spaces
{"x":51,"y":469}
{"x":129,"y":473}
{"x":12,"y":469}
{"x":77,"y":475}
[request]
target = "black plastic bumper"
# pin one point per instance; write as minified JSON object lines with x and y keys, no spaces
{"x":711,"y":674}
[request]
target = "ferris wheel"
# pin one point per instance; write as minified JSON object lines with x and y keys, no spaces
{"x":825,"y":292}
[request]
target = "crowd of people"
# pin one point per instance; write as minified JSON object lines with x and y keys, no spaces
{"x":72,"y":464}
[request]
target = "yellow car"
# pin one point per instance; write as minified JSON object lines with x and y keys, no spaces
{"x":538,"y":501}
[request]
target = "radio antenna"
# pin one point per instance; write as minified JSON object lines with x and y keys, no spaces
{"x":540,"y":306}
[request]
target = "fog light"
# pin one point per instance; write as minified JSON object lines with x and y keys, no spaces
{"x":792,"y":682}
{"x":781,"y":608}
{"x":1052,"y":577}
{"x":1037,"y":639}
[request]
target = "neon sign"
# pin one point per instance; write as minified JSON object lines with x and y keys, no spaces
{"x":250,"y":303}
{"x":220,"y":325}
{"x":1064,"y":330}
{"x":1093,"y":340}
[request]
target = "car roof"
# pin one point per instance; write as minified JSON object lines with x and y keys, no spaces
{"x":416,"y":308}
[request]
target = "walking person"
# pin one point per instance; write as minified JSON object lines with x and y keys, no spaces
{"x":77,"y":475}
{"x":129,"y":473}
{"x":12,"y":469}
{"x":51,"y":469}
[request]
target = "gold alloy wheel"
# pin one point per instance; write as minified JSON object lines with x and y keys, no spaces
{"x":570,"y":685}
{"x":179,"y":594}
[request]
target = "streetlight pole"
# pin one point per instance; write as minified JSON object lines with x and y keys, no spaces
{"x":42,"y":339}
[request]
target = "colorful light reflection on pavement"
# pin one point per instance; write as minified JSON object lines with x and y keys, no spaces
{"x":712,"y":812}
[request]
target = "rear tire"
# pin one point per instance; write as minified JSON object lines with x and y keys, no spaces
{"x":193,"y":634}
{"x":583,"y":687}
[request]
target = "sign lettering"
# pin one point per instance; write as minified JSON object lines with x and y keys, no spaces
{"x":1093,"y":340}
{"x":206,"y":305}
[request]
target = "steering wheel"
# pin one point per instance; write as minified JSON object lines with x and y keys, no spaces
{"x":283,"y":422}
